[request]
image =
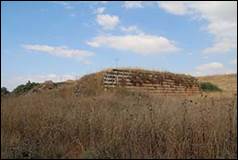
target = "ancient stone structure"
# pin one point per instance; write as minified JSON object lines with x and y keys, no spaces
{"x":164,"y":83}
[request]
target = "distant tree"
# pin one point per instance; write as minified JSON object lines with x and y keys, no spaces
{"x":25,"y":88}
{"x":4,"y":91}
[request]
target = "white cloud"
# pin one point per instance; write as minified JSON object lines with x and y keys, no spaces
{"x":212,"y":69}
{"x":131,"y":29}
{"x":222,"y":46}
{"x":221,"y":18}
{"x":63,"y":51}
{"x":133,"y":4}
{"x":108,"y":22}
{"x":214,"y":72}
{"x":174,"y":7}
{"x":103,"y":2}
{"x":13,"y":82}
{"x":209,"y":66}
{"x":100,"y":10}
{"x":53,"y":77}
{"x":141,"y":44}
{"x":66,"y":5}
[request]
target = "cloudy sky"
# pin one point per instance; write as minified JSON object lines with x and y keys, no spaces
{"x":65,"y":40}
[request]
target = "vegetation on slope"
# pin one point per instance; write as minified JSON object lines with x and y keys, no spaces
{"x":228,"y":82}
{"x":209,"y":87}
{"x":90,"y":85}
{"x":24,"y":88}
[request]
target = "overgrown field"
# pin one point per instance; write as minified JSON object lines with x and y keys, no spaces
{"x":117,"y":124}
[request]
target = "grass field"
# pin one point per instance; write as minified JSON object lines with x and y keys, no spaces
{"x":228,"y":83}
{"x":118,"y":124}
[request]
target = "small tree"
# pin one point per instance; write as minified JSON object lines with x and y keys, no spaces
{"x":25,"y":88}
{"x":4,"y":91}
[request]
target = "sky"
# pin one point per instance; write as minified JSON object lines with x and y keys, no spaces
{"x":61,"y":40}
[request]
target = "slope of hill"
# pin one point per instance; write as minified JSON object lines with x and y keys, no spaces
{"x":228,"y":83}
{"x":132,"y":79}
{"x":54,"y":122}
{"x":92,"y":84}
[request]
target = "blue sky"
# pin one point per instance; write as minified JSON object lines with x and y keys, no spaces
{"x":66,"y":40}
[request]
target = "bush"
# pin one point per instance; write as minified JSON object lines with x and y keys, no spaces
{"x":24,"y":88}
{"x":209,"y":87}
{"x":4,"y":91}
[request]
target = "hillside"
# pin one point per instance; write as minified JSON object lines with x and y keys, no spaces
{"x":163,"y":83}
{"x":228,"y":83}
{"x":78,"y":119}
{"x":149,"y":81}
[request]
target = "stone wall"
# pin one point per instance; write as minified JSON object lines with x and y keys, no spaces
{"x":155,"y":82}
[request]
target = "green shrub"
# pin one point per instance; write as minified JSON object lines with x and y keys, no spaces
{"x":4,"y":91}
{"x":25,"y":88}
{"x":209,"y":87}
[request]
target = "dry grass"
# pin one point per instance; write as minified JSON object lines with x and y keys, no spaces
{"x":227,"y":82}
{"x":116,"y":124}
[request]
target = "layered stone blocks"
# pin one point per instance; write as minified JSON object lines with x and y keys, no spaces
{"x":164,"y":83}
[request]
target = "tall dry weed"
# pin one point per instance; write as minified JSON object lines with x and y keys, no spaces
{"x":117,"y":124}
